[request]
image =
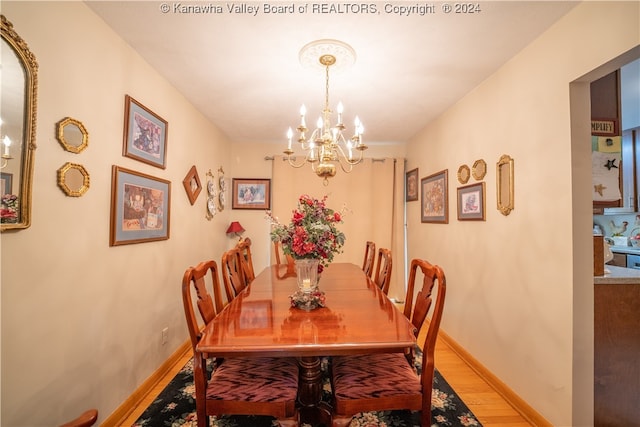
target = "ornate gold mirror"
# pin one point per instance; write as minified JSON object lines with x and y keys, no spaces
{"x":504,"y":184}
{"x":72,"y":135}
{"x":19,"y":85}
{"x":479,"y":169}
{"x":73,"y":179}
{"x":463,"y":174}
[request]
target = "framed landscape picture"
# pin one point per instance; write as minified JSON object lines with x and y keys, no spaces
{"x":411,"y":185}
{"x":471,"y":202}
{"x":434,"y":205}
{"x":145,"y":134}
{"x":250,"y":193}
{"x":140,"y":207}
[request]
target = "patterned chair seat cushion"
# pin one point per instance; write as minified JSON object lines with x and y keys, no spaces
{"x":374,"y":376}
{"x":254,"y":380}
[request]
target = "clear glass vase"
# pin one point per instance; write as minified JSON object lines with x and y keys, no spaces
{"x":307,"y":274}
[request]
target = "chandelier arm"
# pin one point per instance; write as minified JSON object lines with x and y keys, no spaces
{"x":296,"y":165}
{"x":344,"y":158}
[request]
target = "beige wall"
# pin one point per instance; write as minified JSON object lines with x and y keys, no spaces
{"x":82,"y":321}
{"x":511,"y":280}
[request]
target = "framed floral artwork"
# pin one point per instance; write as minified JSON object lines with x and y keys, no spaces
{"x":140,"y":207}
{"x":411,"y":185}
{"x":251,"y":194}
{"x":434,"y":205}
{"x":471,"y":206}
{"x":145,"y":134}
{"x":192,"y":184}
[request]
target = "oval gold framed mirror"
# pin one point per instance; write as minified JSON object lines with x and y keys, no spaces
{"x":504,"y":184}
{"x":73,"y":179}
{"x":19,"y":85}
{"x":72,"y":135}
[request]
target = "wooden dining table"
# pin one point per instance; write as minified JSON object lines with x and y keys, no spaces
{"x":357,"y":318}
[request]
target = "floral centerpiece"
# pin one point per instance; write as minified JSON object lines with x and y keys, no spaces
{"x":312,"y":240}
{"x":312,"y":233}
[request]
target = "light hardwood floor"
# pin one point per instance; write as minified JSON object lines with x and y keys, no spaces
{"x":487,"y":405}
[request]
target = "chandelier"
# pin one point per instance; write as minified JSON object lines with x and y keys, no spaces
{"x":326,"y":146}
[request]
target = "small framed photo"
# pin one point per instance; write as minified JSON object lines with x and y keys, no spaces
{"x":434,"y":198}
{"x":145,"y":134}
{"x":250,"y":193}
{"x":192,"y":184}
{"x":471,"y":206}
{"x":140,"y":207}
{"x":411,"y":185}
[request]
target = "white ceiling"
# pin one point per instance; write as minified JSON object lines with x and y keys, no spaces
{"x":242,"y":71}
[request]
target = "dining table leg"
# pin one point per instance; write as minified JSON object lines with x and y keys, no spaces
{"x":312,"y":409}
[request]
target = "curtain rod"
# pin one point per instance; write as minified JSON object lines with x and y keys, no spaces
{"x":294,"y":158}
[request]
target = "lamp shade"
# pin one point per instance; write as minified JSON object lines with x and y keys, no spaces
{"x":235,"y":227}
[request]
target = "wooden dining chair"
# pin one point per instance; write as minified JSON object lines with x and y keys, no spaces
{"x":246,"y":261}
{"x":232,"y":273}
{"x":237,"y":386}
{"x":369,"y":258}
{"x":86,"y":419}
{"x":383,"y":270}
{"x":388,"y":381}
{"x":284,"y":259}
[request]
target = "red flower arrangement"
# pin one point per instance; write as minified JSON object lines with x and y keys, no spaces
{"x":312,"y":233}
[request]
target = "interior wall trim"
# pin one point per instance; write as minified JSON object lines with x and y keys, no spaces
{"x":501,"y":388}
{"x":129,"y":405}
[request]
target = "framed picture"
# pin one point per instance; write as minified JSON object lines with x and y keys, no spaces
{"x":145,"y":134}
{"x":434,"y":195}
{"x":411,"y":185}
{"x":192,"y":184}
{"x":6,"y":183}
{"x":471,"y":202}
{"x":140,"y":207}
{"x":251,"y":194}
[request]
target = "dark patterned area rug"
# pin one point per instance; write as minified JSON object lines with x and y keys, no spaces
{"x":176,"y":406}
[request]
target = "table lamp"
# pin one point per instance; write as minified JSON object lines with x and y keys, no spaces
{"x":236,"y":229}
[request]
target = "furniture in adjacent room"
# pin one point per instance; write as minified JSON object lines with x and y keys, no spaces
{"x":382,"y":277}
{"x":616,"y":347}
{"x":369,"y":258}
{"x":241,"y":386}
{"x":261,"y":322}
{"x":387,"y":381}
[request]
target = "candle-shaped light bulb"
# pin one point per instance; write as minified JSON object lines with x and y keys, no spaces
{"x":340,"y":110}
{"x":319,"y":123}
{"x":303,"y":111}
{"x":289,"y":136}
{"x":7,"y":142}
{"x":312,"y":150}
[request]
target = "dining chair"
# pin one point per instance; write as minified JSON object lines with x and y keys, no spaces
{"x":369,"y":258}
{"x":388,"y":381}
{"x":280,"y":256}
{"x":86,"y":419}
{"x":237,"y":386}
{"x":383,"y":270}
{"x":232,"y":273}
{"x":244,"y":246}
